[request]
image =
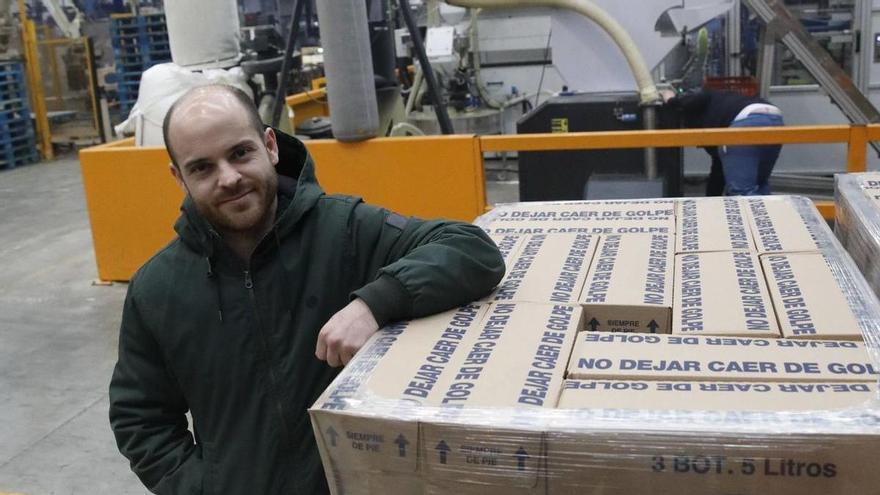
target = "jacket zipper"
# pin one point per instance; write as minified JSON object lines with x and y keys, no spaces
{"x":249,"y":285}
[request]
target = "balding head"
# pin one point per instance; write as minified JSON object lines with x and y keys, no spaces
{"x":208,"y":102}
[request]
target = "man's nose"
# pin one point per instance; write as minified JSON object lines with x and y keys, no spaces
{"x":229,"y":175}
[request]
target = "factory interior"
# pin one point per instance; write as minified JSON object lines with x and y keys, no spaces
{"x":712,"y":155}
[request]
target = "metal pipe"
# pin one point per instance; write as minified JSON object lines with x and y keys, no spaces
{"x":281,"y":90}
{"x":475,"y":51}
{"x":439,"y":107}
{"x":649,"y":122}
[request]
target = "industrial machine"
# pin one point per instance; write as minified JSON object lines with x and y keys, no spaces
{"x":595,"y":174}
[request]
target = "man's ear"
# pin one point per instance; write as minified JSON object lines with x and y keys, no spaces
{"x":175,"y":172}
{"x":271,"y":145}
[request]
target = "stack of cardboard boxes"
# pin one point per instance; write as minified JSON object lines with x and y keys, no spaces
{"x":715,"y":345}
{"x":857,"y":221}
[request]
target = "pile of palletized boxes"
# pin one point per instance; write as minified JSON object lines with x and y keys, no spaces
{"x":690,"y":346}
{"x":857,"y":221}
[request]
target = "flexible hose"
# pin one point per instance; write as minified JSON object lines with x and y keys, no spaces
{"x":405,"y":129}
{"x":413,"y":92}
{"x":647,"y":90}
{"x":475,"y":50}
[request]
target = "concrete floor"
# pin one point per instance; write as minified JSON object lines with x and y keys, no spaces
{"x":58,"y":336}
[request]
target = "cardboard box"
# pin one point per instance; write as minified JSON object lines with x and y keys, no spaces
{"x":470,"y":488}
{"x":722,"y":293}
{"x":509,"y":245}
{"x":587,"y":217}
{"x":870,"y":185}
{"x":869,"y":181}
{"x":398,"y":367}
{"x":424,"y":379}
{"x":349,"y":482}
{"x":809,"y":300}
{"x":712,"y":224}
{"x":547,"y":269}
{"x":516,"y":363}
{"x":602,"y":356}
{"x":629,"y":286}
{"x":781,"y":225}
{"x":716,"y":396}
{"x":692,"y":457}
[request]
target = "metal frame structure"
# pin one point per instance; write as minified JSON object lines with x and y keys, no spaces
{"x":781,"y":24}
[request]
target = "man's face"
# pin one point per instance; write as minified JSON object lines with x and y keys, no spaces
{"x":225,"y":165}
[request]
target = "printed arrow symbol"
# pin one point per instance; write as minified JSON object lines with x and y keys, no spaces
{"x":442,"y":448}
{"x":653,"y":326}
{"x":333,"y":436}
{"x":401,"y":442}
{"x":521,"y":456}
{"x":594,"y":324}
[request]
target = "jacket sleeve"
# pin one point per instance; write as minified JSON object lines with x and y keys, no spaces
{"x":148,"y":412}
{"x":414,"y":268}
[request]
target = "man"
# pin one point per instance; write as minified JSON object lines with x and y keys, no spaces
{"x":270,"y":285}
{"x":736,"y":170}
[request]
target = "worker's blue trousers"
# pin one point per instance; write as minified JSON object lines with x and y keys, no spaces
{"x":747,"y":168}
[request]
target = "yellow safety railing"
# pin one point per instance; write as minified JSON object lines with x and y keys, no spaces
{"x":133,"y":201}
{"x":856,"y":137}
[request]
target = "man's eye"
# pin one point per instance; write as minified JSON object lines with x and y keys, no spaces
{"x":198,"y":168}
{"x":239,"y":153}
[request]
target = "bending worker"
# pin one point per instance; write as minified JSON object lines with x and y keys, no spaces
{"x":736,"y":170}
{"x":270,"y":286}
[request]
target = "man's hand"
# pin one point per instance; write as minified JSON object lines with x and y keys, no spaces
{"x":345,"y":333}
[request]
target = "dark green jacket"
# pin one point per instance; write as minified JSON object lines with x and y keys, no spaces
{"x":235,"y":344}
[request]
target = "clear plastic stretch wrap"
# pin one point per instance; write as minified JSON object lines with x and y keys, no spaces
{"x":687,"y":346}
{"x":857,"y":220}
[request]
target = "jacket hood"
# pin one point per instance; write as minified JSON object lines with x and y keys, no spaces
{"x":298,"y":191}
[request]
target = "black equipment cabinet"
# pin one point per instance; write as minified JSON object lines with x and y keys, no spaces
{"x":563,"y":175}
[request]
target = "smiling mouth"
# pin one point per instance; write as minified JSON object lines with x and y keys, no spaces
{"x":236,"y":198}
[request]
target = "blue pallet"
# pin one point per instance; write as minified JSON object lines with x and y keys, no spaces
{"x":128,"y":100}
{"x":11,"y":74}
{"x":128,"y":77}
{"x":18,"y":160}
{"x":21,"y":139}
{"x":15,"y":156}
{"x":13,"y":93}
{"x":140,"y":20}
{"x":14,"y":105}
{"x":13,"y":83}
{"x":159,"y":57}
{"x":11,"y":67}
{"x":128,"y":45}
{"x":15,"y":127}
{"x":126,"y":57}
{"x":13,"y":89}
{"x":12,"y":77}
{"x":136,"y":36}
{"x":131,"y":67}
{"x":15,"y":114}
